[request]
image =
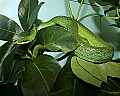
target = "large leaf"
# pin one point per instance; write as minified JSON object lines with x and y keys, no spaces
{"x":94,"y":73}
{"x":67,"y":84}
{"x":83,"y":73}
{"x":6,"y":58}
{"x":8,"y":28}
{"x":57,"y":38}
{"x":27,"y":12}
{"x":107,"y":67}
{"x":10,"y":70}
{"x":15,"y":72}
{"x":40,"y":76}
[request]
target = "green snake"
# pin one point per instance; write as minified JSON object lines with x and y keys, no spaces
{"x":91,"y":47}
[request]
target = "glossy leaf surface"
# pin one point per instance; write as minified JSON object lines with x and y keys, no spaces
{"x":94,"y":73}
{"x":57,"y":38}
{"x":67,"y":84}
{"x":8,"y":28}
{"x":6,"y":58}
{"x":27,"y":12}
{"x":40,"y":76}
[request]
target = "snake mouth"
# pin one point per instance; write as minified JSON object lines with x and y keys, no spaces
{"x":20,"y":42}
{"x":61,"y":26}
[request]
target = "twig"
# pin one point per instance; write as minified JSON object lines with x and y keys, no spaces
{"x":98,"y":15}
{"x":78,"y":12}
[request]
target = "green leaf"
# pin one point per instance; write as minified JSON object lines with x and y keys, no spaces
{"x":33,"y":15}
{"x":8,"y":28}
{"x":57,"y":38}
{"x":102,"y":3}
{"x":111,"y":69}
{"x":27,"y":12}
{"x":15,"y":72}
{"x":94,"y":73}
{"x":83,"y":70}
{"x":10,"y":70}
{"x":114,"y":3}
{"x":6,"y":58}
{"x":67,"y":84}
{"x":40,"y":76}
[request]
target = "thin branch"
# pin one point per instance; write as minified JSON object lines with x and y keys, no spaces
{"x":78,"y":13}
{"x":69,"y":8}
{"x":64,"y":56}
{"x":112,"y":93}
{"x":98,"y":15}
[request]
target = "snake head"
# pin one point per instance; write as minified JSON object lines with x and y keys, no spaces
{"x":20,"y":41}
{"x":22,"y":38}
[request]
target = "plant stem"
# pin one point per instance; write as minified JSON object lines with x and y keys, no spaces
{"x":78,"y":13}
{"x":64,"y":56}
{"x":114,"y":92}
{"x":111,"y":17}
{"x":69,"y":8}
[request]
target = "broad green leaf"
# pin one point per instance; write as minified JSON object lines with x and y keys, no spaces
{"x":10,"y":70}
{"x":8,"y":28}
{"x":85,"y":74}
{"x":94,"y":73}
{"x":15,"y":72}
{"x":33,"y":15}
{"x":6,"y":58}
{"x":67,"y":84}
{"x":40,"y":76}
{"x":111,"y":69}
{"x":57,"y":38}
{"x":91,"y":69}
{"x":27,"y":12}
{"x":4,"y":48}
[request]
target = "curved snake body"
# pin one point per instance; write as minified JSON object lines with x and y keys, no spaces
{"x":91,"y":47}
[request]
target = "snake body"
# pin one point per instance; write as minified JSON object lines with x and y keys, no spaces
{"x":25,"y":37}
{"x":91,"y":47}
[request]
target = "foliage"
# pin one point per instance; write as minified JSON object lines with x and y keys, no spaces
{"x":25,"y":75}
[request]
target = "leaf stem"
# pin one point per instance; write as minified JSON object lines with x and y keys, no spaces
{"x":118,"y":15}
{"x":69,"y":8}
{"x":78,"y":12}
